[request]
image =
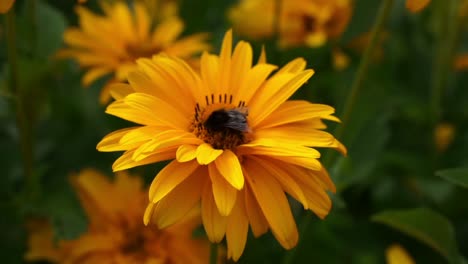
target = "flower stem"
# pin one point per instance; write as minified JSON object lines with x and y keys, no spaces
{"x":356,"y":86}
{"x":214,"y":253}
{"x":447,"y":34}
{"x":24,"y":126}
{"x":32,"y":14}
{"x":384,"y":11}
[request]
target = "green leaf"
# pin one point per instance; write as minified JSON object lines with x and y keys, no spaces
{"x":458,"y":176}
{"x":425,"y":225}
{"x":51,"y":25}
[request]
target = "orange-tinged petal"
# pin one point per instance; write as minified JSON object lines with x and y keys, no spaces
{"x":214,"y":223}
{"x":94,"y":74}
{"x":257,"y":220}
{"x":237,"y":229}
{"x":272,"y":101}
{"x":262,"y":58}
{"x":298,"y":136}
{"x":295,"y":66}
{"x":111,"y":141}
{"x":126,"y":162}
{"x":416,"y":5}
{"x":169,"y":177}
{"x":255,"y":78}
{"x":224,"y":194}
{"x":295,"y":111}
{"x":178,"y":203}
{"x":120,"y":90}
{"x":210,"y":73}
{"x":274,"y":204}
{"x":168,"y":31}
{"x":149,"y":213}
{"x":229,"y":166}
{"x":207,"y":154}
{"x":282,"y":175}
{"x":148,"y":105}
{"x":240,"y":66}
{"x":163,"y":140}
{"x":186,"y":153}
{"x":225,"y":64}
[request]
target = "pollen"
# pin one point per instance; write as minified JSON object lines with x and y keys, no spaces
{"x":214,"y":123}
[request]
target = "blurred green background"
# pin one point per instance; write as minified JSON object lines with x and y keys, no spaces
{"x":393,"y":187}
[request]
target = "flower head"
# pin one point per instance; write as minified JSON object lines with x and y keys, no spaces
{"x":111,"y":43}
{"x":238,"y":145}
{"x":396,"y":254}
{"x":116,"y":233}
{"x":5,"y":5}
{"x":301,"y":22}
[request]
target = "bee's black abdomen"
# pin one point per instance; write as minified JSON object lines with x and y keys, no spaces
{"x":221,"y":120}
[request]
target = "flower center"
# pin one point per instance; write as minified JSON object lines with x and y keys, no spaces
{"x":221,"y":123}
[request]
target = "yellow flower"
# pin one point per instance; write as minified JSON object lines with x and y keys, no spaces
{"x":443,"y":136}
{"x":301,"y":22}
{"x":461,"y":62}
{"x":396,"y":254}
{"x":5,"y":5}
{"x":116,"y":233}
{"x":110,"y":44}
{"x":417,"y":5}
{"x":238,"y":144}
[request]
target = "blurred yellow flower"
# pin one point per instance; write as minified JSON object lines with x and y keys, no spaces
{"x":161,"y":9}
{"x":416,"y":5}
{"x":340,"y":59}
{"x":5,"y":5}
{"x":396,"y":254}
{"x":110,"y":44}
{"x":461,"y":62}
{"x":116,"y":233}
{"x":301,"y":22}
{"x":444,"y":135}
{"x":238,"y":144}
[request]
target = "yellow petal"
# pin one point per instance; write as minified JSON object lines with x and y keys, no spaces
{"x":140,"y":108}
{"x":168,"y":31}
{"x":274,"y":204}
{"x":240,"y":66}
{"x":169,"y":177}
{"x":94,"y":74}
{"x":295,"y":111}
{"x":416,"y":5}
{"x":210,"y":73}
{"x":214,"y":223}
{"x":207,"y":154}
{"x":255,"y":78}
{"x":178,"y":203}
{"x":163,"y":140}
{"x":229,"y":166}
{"x":224,"y":194}
{"x":111,"y":141}
{"x":120,"y":90}
{"x":126,"y":162}
{"x":274,"y":98}
{"x":186,"y":153}
{"x":225,"y":63}
{"x":237,"y":229}
{"x":282,"y":175}
{"x":257,"y":219}
{"x":262,"y":58}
